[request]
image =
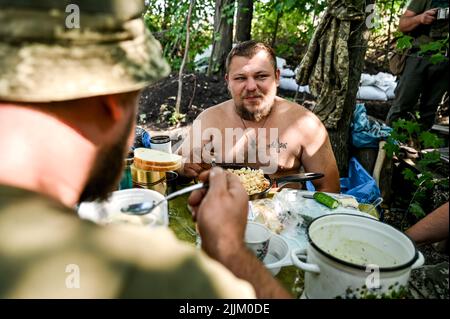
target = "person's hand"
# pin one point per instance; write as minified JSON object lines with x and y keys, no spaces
{"x":428,"y":17}
{"x":191,"y":170}
{"x":221,"y":213}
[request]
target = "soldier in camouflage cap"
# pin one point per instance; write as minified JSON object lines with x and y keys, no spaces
{"x":45,"y":57}
{"x":68,"y":102}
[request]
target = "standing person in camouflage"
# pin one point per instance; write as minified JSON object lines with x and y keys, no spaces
{"x":68,"y":101}
{"x":421,"y":79}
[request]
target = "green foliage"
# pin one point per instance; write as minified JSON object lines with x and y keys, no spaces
{"x":433,"y":51}
{"x":404,"y":42}
{"x":436,"y":49}
{"x":167,"y":21}
{"x":423,"y":177}
{"x":391,"y":147}
{"x":295,"y":23}
{"x":297,"y":20}
{"x":228,"y":12}
{"x":384,"y":9}
{"x":177,"y":118}
{"x":438,"y":45}
{"x":409,"y":175}
{"x":430,"y":140}
{"x":437,"y":58}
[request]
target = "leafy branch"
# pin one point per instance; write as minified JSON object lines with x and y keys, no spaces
{"x":434,"y":51}
{"x":423,"y":177}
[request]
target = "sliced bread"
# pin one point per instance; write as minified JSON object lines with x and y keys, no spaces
{"x":145,"y":158}
{"x":156,"y":168}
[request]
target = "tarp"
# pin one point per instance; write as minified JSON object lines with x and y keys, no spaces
{"x":367,"y":132}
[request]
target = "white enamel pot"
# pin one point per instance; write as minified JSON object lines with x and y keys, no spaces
{"x":353,"y":256}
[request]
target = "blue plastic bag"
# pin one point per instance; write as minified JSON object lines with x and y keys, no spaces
{"x":358,"y":183}
{"x":141,"y":139}
{"x":367,"y":132}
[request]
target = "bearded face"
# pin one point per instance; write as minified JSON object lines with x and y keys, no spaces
{"x":107,"y":171}
{"x":253,"y":114}
{"x":108,"y":168}
{"x":252,"y":83}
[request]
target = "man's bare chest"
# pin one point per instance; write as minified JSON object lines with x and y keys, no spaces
{"x":256,"y":147}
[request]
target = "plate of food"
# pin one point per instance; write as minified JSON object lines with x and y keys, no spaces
{"x":257,"y":184}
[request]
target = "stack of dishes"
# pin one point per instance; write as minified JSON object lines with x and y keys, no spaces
{"x":150,"y":166}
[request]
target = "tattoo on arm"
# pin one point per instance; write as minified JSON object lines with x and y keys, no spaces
{"x":278,"y":145}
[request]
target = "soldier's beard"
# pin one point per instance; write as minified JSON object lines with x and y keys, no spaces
{"x":257,"y":115}
{"x":107,"y":170}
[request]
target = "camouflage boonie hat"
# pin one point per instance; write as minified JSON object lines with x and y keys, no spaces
{"x":44,"y":56}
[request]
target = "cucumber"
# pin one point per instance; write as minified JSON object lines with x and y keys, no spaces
{"x":326,"y":200}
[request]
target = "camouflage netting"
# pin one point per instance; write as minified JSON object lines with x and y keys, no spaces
{"x":325,"y":66}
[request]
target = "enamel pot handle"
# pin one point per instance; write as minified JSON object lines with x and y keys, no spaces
{"x":297,"y":255}
{"x":419,"y":262}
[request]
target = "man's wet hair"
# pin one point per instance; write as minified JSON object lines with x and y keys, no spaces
{"x":249,"y":49}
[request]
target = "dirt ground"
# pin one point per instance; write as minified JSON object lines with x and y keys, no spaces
{"x":199,"y":92}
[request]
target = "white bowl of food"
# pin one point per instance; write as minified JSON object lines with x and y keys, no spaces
{"x":109,"y":211}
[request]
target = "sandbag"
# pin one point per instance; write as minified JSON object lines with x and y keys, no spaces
{"x":371,"y":93}
{"x":286,"y":73}
{"x":288,"y":84}
{"x":367,"y":80}
{"x":280,"y":63}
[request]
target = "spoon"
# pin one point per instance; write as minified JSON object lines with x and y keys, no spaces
{"x":147,"y":207}
{"x":375,"y":204}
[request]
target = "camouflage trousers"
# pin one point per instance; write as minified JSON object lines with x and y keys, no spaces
{"x":430,"y":282}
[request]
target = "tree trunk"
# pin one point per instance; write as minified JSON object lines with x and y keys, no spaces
{"x":186,"y":54}
{"x":340,"y":138}
{"x":244,"y":20}
{"x":275,"y":31}
{"x":223,"y":36}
